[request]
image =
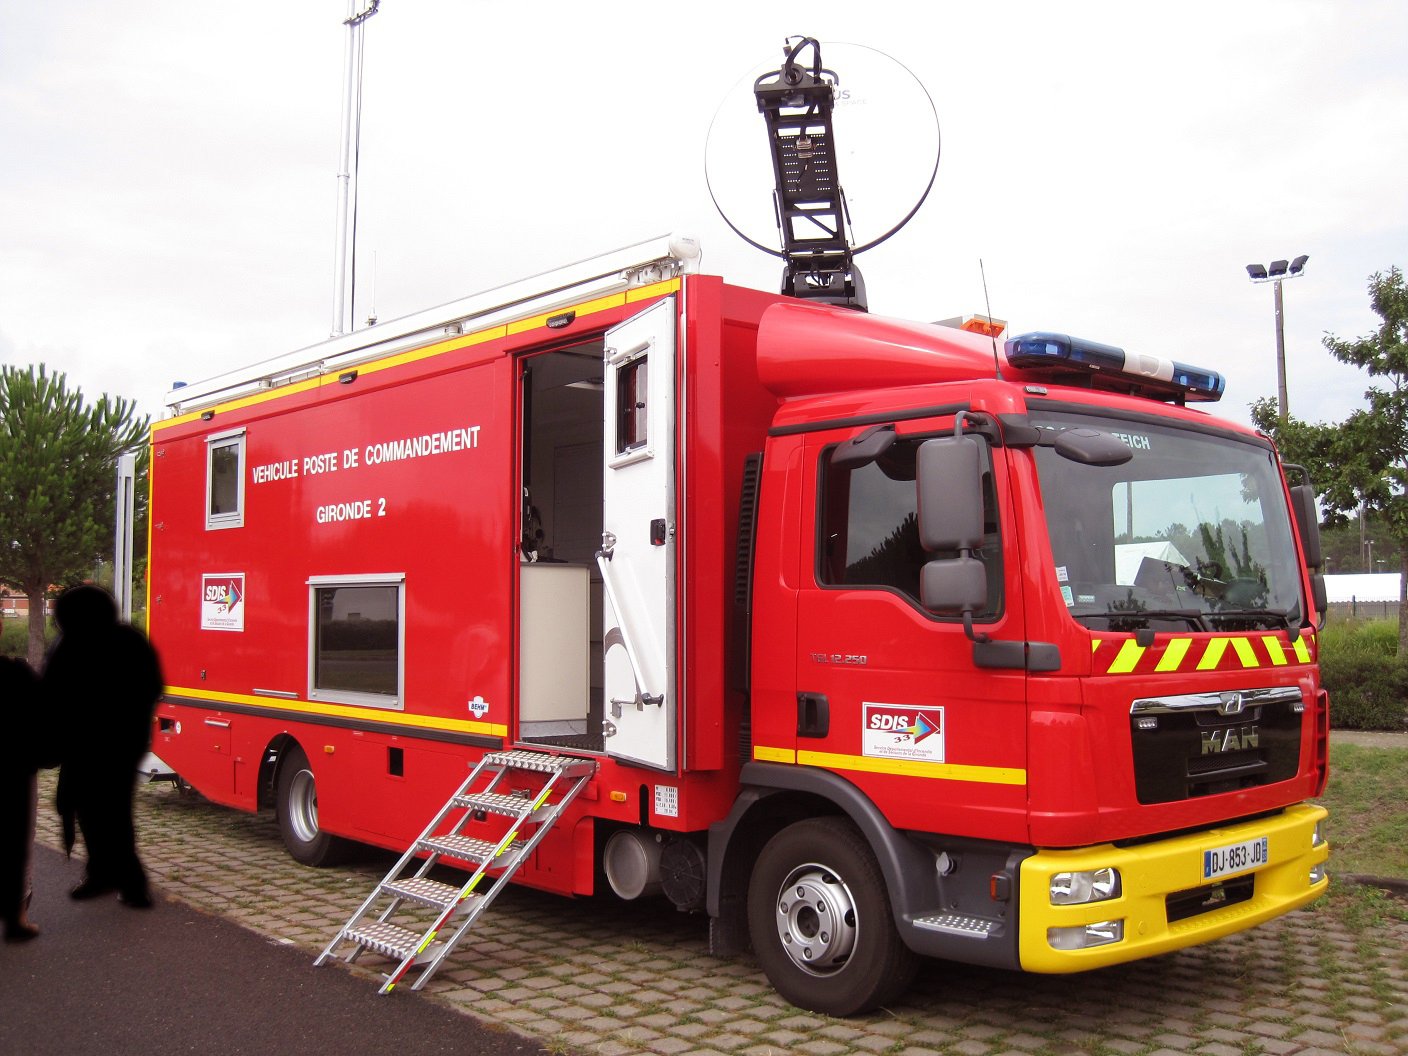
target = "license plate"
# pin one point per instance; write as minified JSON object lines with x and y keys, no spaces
{"x":1234,"y":858}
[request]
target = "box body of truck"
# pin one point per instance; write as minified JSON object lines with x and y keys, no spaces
{"x":679,"y":528}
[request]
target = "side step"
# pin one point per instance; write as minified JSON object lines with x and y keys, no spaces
{"x":423,"y":940}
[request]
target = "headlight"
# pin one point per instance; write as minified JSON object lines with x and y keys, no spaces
{"x":1094,"y":885}
{"x":1317,"y":873}
{"x":1318,"y":840}
{"x":1084,"y":936}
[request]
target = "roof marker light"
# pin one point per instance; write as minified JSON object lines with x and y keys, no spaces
{"x":1104,"y":366}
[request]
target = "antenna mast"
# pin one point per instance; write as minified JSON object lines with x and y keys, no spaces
{"x":344,"y":273}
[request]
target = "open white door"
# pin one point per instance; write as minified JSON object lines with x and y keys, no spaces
{"x":637,"y":559}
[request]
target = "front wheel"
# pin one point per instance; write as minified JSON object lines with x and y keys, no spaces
{"x":297,"y":808}
{"x":820,"y":920}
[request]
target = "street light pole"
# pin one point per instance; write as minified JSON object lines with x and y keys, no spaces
{"x":1281,"y":401}
{"x":1276,"y":272}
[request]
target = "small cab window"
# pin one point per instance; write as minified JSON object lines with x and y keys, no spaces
{"x":356,"y":640}
{"x":869,"y":525}
{"x":224,"y":480}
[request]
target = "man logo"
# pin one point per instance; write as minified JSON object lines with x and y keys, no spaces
{"x":1231,"y":704}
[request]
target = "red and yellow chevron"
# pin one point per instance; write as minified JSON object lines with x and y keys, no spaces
{"x":1125,"y":656}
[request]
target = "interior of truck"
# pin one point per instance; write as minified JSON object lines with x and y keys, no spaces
{"x":560,"y":590}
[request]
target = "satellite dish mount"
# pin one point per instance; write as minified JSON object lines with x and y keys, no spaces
{"x":810,"y":206}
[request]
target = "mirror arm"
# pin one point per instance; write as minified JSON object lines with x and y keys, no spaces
{"x":980,"y":637}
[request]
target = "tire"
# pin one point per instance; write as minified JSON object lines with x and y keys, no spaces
{"x":297,"y":809}
{"x":809,"y":874}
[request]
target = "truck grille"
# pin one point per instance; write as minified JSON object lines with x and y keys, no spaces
{"x":1204,"y":744}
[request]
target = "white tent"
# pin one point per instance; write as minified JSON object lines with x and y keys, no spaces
{"x":1129,"y":555}
{"x":1362,"y":586}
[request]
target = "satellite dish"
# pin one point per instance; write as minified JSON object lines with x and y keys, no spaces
{"x":886,"y":141}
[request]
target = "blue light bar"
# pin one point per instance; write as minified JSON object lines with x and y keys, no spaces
{"x":1105,"y":366}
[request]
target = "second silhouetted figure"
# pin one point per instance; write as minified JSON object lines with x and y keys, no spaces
{"x":102,"y":681}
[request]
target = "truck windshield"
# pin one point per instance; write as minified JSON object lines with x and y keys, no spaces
{"x":1192,"y":533}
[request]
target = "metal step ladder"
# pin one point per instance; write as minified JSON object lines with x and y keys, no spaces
{"x":442,"y":913}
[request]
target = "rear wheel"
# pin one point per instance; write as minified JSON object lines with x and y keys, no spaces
{"x":297,"y":809}
{"x":820,"y":920}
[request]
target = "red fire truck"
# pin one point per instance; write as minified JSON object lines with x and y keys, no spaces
{"x":868,"y":639}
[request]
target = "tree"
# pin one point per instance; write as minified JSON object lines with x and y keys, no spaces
{"x":1362,"y":463}
{"x":58,"y":467}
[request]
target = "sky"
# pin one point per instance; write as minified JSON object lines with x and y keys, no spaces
{"x":168,"y":168}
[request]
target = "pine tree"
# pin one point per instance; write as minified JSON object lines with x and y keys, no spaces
{"x":58,"y":459}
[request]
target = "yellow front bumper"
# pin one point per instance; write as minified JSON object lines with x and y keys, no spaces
{"x":1149,"y":873}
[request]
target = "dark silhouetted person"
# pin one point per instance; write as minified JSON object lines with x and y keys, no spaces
{"x":23,"y":753}
{"x":102,"y":681}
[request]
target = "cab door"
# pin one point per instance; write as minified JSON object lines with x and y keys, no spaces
{"x":887,"y":691}
{"x":637,"y":559}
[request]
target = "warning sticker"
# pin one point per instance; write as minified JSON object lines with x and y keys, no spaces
{"x":899,"y":731}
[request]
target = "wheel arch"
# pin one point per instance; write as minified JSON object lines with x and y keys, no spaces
{"x":273,"y":757}
{"x":775,"y":795}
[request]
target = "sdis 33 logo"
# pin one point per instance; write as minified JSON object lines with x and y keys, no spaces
{"x":899,"y":731}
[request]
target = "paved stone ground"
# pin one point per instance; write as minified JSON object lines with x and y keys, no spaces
{"x":604,"y":978}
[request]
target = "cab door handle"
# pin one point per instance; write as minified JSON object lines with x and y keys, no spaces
{"x":813,"y":715}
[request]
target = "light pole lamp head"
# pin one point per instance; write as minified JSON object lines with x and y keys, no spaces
{"x":1277,"y":268}
{"x":1298,"y":265}
{"x":1256,"y":272}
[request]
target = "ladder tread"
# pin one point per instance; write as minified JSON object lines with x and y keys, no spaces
{"x":523,"y":759}
{"x":418,"y":889}
{"x":511,"y":806}
{"x":390,"y":940}
{"x":468,"y":849}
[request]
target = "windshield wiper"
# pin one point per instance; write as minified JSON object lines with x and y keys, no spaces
{"x":1134,"y":619}
{"x":1280,"y":619}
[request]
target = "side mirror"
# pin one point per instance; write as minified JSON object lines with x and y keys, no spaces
{"x":865,"y":448}
{"x":1091,"y":447}
{"x":950,"y":493}
{"x":950,"y":482}
{"x":1303,"y":506}
{"x":956,"y":585}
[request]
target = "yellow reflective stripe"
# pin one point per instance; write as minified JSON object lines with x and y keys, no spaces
{"x":542,"y":799}
{"x":655,"y":289}
{"x":1128,"y":657}
{"x":214,"y":699}
{"x":1302,"y":653}
{"x":425,"y":945}
{"x":1274,"y":651}
{"x":1213,"y":654}
{"x":773,"y":755}
{"x":1095,"y":644}
{"x":478,"y":337}
{"x":987,"y":775}
{"x":1245,"y":652}
{"x":1174,"y":654}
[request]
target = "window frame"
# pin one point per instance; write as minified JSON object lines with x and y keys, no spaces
{"x":624,"y":370}
{"x":218,"y":441}
{"x":333,"y":695}
{"x":997,"y":605}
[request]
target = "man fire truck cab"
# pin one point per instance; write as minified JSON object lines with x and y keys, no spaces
{"x":861,"y":636}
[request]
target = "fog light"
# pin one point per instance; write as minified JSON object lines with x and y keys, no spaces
{"x":1086,"y":935}
{"x":1317,"y":873}
{"x":1318,"y":840}
{"x":1094,"y":885}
